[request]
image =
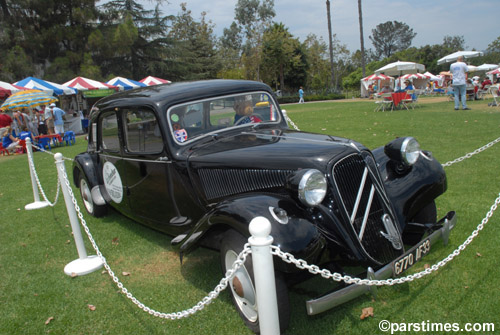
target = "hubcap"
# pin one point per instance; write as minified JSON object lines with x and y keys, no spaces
{"x":242,"y":288}
{"x":86,"y":196}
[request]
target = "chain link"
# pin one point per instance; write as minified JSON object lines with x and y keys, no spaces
{"x":240,"y":260}
{"x":287,"y":118}
{"x":48,"y":152}
{"x":470,"y":154}
{"x":58,"y":187}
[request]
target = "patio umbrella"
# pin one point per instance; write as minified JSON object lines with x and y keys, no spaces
{"x":150,"y":80}
{"x":400,"y":68}
{"x":28,"y":98}
{"x":454,"y":56}
{"x":496,"y":71}
{"x":487,"y":67}
{"x":124,"y":83}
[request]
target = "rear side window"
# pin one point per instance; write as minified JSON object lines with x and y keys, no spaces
{"x":142,"y":132}
{"x":109,"y":132}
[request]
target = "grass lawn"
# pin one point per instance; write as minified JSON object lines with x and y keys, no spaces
{"x":36,"y":245}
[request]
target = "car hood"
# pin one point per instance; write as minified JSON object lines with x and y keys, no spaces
{"x":271,"y":149}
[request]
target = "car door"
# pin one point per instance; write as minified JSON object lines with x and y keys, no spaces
{"x":149,"y":170}
{"x":111,"y":164}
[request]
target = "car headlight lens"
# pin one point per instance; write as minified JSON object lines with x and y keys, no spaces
{"x":405,"y":150}
{"x":312,"y":187}
{"x":410,"y":150}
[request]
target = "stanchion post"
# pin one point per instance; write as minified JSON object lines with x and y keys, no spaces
{"x":263,"y":267}
{"x":37,"y":203}
{"x":85,"y":264}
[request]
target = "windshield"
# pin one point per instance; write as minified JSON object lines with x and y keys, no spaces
{"x":199,"y":118}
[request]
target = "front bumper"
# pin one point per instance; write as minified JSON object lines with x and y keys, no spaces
{"x":334,"y":299}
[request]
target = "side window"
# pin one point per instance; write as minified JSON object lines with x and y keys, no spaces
{"x":109,"y":133}
{"x":142,"y":132}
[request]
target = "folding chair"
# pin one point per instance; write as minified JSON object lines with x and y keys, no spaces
{"x":382,"y":101}
{"x":494,"y":93}
{"x":408,"y":100}
{"x":44,"y":142}
{"x":4,"y":151}
{"x":69,"y":137}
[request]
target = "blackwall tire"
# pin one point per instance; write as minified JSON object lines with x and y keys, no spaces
{"x":90,"y":206}
{"x":232,"y":245}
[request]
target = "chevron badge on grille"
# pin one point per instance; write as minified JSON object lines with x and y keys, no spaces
{"x":392,"y":234}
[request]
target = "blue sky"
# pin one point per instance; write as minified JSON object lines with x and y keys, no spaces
{"x":477,"y":21}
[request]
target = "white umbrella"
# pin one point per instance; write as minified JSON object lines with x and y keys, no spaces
{"x":400,"y":68}
{"x":454,"y":56}
{"x":487,"y":67}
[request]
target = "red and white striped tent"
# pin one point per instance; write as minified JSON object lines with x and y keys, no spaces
{"x":150,"y":81}
{"x":7,"y":89}
{"x":381,"y":80}
{"x":85,"y":84}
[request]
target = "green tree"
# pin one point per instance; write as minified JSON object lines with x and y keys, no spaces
{"x":318,"y":78}
{"x":196,"y":46}
{"x":132,"y":40}
{"x":278,"y":52}
{"x":391,"y":37}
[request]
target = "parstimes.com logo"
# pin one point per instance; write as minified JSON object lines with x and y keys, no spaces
{"x":427,"y":326}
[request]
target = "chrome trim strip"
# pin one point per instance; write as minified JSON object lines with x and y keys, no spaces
{"x":358,"y":196}
{"x":367,"y":213}
{"x":135,"y":159}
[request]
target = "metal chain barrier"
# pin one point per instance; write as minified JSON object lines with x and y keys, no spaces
{"x":470,"y":154}
{"x":171,"y":316}
{"x":32,"y":167}
{"x":287,"y":118}
{"x":48,"y":152}
{"x":301,"y":264}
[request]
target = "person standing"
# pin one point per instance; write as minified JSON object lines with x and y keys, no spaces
{"x":301,"y":95}
{"x":58,"y":118}
{"x":459,"y":70}
{"x":49,"y":120}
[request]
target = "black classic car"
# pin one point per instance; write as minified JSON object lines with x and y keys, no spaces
{"x":200,"y":160}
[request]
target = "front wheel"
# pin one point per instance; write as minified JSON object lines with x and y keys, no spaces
{"x":91,"y":207}
{"x":242,"y":284}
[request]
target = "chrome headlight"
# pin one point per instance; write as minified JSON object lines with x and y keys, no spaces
{"x":405,"y":150}
{"x":309,"y":186}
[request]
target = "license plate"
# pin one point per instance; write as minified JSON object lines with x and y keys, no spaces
{"x":411,"y":257}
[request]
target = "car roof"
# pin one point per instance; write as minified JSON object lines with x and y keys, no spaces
{"x":166,"y":95}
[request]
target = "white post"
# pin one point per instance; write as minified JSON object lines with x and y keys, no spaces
{"x":37,"y":203}
{"x":85,"y":264}
{"x":263,"y":267}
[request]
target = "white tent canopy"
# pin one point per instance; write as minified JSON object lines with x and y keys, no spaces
{"x":399,"y":68}
{"x":454,"y":56}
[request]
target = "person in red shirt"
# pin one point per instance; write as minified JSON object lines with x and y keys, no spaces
{"x":485,"y":82}
{"x":5,"y":121}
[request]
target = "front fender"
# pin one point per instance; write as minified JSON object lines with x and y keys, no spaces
{"x":87,"y":164}
{"x":411,"y":191}
{"x":298,"y":235}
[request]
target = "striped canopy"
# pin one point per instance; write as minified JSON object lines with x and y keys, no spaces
{"x":83,"y":84}
{"x":154,"y":81}
{"x":412,"y":76}
{"x":46,"y":86}
{"x":7,"y":89}
{"x":377,"y":77}
{"x":28,"y":98}
{"x":124,"y":83}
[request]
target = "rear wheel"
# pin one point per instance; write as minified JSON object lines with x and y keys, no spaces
{"x":243,"y":288}
{"x":91,"y":207}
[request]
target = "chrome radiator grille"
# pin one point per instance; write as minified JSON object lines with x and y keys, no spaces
{"x":219,"y":183}
{"x":364,"y":204}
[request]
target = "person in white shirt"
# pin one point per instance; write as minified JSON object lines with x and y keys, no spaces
{"x":459,"y":70}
